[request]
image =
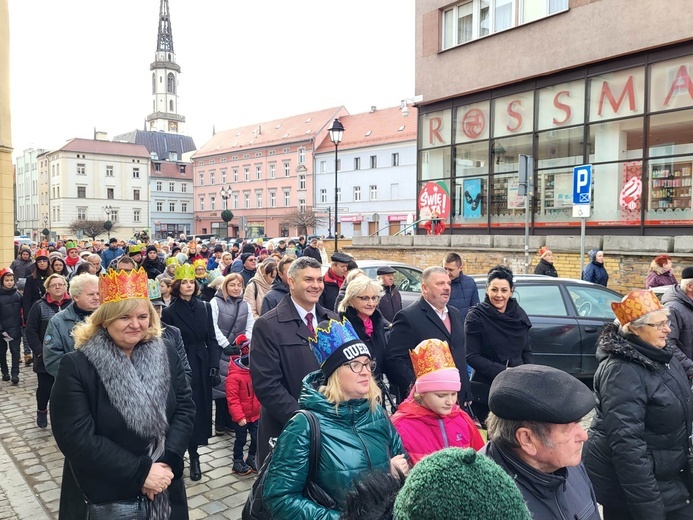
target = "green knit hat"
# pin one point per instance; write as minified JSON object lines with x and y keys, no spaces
{"x":459,"y":483}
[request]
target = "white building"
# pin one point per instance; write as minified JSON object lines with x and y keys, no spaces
{"x":30,"y":221}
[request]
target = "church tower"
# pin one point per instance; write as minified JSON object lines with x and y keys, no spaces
{"x":165,"y":70}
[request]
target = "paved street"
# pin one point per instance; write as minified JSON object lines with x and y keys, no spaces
{"x":31,"y":465}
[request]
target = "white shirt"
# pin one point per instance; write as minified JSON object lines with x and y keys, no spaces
{"x":302,"y":313}
{"x":442,"y":315}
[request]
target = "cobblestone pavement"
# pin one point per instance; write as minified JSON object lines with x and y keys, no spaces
{"x":31,"y":465}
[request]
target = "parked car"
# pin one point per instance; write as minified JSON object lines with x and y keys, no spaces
{"x":407,"y":278}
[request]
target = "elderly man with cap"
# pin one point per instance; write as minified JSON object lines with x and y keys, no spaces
{"x":312,"y":250}
{"x":535,"y":436}
{"x":391,"y":301}
{"x":679,"y":300}
{"x":334,"y":278}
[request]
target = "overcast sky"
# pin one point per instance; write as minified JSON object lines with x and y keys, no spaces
{"x":80,"y":64}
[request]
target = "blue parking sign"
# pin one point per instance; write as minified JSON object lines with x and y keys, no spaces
{"x":582,"y":184}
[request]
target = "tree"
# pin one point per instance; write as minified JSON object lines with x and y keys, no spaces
{"x":91,"y":228}
{"x":302,"y":220}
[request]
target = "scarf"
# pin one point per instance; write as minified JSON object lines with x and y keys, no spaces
{"x":138,"y":389}
{"x":71,"y":261}
{"x":333,"y":278}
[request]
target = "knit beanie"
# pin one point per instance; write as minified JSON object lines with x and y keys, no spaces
{"x":152,"y":248}
{"x":459,"y":483}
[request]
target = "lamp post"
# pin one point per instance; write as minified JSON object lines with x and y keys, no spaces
{"x":108,"y":210}
{"x":225,"y":193}
{"x":336,"y":133}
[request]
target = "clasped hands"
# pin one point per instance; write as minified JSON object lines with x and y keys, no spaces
{"x":159,"y":478}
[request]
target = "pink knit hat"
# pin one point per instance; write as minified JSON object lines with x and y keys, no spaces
{"x":441,"y":380}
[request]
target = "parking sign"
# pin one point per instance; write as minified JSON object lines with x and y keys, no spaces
{"x":582,"y":184}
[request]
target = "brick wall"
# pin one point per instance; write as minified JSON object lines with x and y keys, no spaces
{"x":626,"y":271}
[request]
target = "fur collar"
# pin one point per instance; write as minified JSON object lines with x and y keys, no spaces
{"x":612,"y":343}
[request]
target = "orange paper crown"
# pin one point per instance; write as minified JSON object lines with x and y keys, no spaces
{"x":431,"y":355}
{"x":636,"y":305}
{"x":116,"y":286}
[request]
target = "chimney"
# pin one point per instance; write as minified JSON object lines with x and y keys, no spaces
{"x":100,"y":136}
{"x":372,"y":108}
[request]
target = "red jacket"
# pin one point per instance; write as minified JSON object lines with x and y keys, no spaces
{"x":421,"y":430}
{"x":239,"y":393}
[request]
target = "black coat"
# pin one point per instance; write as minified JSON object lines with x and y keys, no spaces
{"x":312,"y":252}
{"x":636,"y":454}
{"x":203,"y":353}
{"x":280,"y":358}
{"x":496,"y":340}
{"x":33,"y":291}
{"x":153,"y":267}
{"x":274,"y":296}
{"x":10,"y":313}
{"x":545,"y":268}
{"x":37,"y":323}
{"x":330,"y":292}
{"x":109,"y":460}
{"x":390,"y":303}
{"x":377,"y":343}
{"x":413,"y":325}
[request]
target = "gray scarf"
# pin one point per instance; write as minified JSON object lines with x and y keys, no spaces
{"x":138,"y":389}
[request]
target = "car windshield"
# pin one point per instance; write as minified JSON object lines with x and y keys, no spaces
{"x":407,"y":279}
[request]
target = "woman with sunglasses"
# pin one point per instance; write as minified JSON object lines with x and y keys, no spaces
{"x":356,"y":434}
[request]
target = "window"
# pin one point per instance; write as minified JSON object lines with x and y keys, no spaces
{"x":135,"y":173}
{"x":540,"y":300}
{"x":81,"y":192}
{"x":323,"y":166}
{"x":110,"y":193}
{"x":287,"y":169}
{"x":212,"y":202}
{"x":301,"y":156}
{"x":211,"y":178}
{"x":246,"y":173}
{"x":373,"y":189}
{"x":235,"y":174}
{"x":323,"y":196}
{"x":81,"y":214}
{"x":202,"y":203}
{"x":301,"y":205}
{"x":374,"y":161}
{"x":357,"y":163}
{"x":202,"y":179}
{"x":302,"y":181}
{"x":157,"y":167}
{"x":395,"y":159}
{"x":109,"y":171}
{"x":246,"y":200}
{"x":184,"y":187}
{"x":258,"y":172}
{"x":357,"y":193}
{"x":172,"y":205}
{"x":181,"y":168}
{"x":184,"y":207}
{"x":159,"y":206}
{"x":287,"y":198}
{"x":158,"y":185}
{"x":258,"y":199}
{"x":114,"y":215}
{"x":273,"y":199}
{"x":273,"y":170}
{"x":81,"y":169}
{"x":223,"y":176}
{"x":135,"y":194}
{"x":136,"y":215}
{"x":171,"y":186}
{"x":234,"y":198}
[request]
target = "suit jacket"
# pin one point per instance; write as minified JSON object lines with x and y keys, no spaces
{"x":413,"y":325}
{"x":280,"y":358}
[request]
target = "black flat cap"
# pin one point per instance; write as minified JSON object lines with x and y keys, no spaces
{"x":341,"y":258}
{"x":539,"y":393}
{"x":385,"y":269}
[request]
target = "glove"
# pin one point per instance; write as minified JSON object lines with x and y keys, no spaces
{"x":231,"y":350}
{"x":7,"y":337}
{"x":214,"y":376}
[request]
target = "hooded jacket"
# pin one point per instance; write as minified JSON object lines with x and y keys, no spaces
{"x":596,"y":273}
{"x":658,"y":277}
{"x":10,"y":312}
{"x":423,"y":431}
{"x":636,"y":454}
{"x":240,"y":397}
{"x":58,"y":339}
{"x":566,"y":493}
{"x":274,"y":296}
{"x":545,"y":268}
{"x":390,"y":303}
{"x":463,"y":294}
{"x":354,"y":440}
{"x":37,"y":323}
{"x":22,"y":268}
{"x":681,"y":315}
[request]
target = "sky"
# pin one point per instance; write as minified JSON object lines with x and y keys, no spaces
{"x":80,"y":65}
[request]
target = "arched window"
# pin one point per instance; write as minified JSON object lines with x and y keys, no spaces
{"x":170,"y":103}
{"x":153,"y":82}
{"x":171,"y":83}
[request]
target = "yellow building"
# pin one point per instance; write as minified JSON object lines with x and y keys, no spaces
{"x":6,"y":172}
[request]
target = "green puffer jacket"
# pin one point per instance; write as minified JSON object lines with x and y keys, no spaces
{"x":354,"y":440}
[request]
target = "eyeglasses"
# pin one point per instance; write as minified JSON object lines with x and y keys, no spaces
{"x":366,"y":299}
{"x":56,"y":285}
{"x":357,"y":367}
{"x":659,"y":326}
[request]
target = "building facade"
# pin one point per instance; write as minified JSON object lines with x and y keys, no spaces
{"x":376,"y":178}
{"x":7,"y":197}
{"x":267,"y":169}
{"x":623,"y":103}
{"x":89,"y":179}
{"x":30,"y":220}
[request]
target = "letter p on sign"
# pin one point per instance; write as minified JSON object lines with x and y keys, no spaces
{"x":582,"y":184}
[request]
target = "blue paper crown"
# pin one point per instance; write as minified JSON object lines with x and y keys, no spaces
{"x":154,"y":290}
{"x":329,"y":338}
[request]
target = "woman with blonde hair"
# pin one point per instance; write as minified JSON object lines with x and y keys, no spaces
{"x":356,"y":434}
{"x":122,"y":410}
{"x":354,"y":273}
{"x":259,"y":285}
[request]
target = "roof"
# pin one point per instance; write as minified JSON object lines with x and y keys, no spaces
{"x":159,"y":142}
{"x":277,"y":132}
{"x":170,"y":170}
{"x":104,"y":147}
{"x":374,"y":128}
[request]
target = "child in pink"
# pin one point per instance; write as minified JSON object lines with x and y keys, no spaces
{"x":430,"y":419}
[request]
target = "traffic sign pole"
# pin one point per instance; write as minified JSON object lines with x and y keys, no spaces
{"x":582,"y":200}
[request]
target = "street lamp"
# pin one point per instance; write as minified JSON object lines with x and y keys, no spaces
{"x":225,"y":193}
{"x":336,"y":133}
{"x":108,"y":225}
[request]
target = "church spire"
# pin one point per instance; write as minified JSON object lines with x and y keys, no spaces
{"x":165,"y":70}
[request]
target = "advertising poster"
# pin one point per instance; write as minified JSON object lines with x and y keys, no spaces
{"x":515,"y":201}
{"x":434,"y":200}
{"x":471,"y":206}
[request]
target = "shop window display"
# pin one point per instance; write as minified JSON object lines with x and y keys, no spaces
{"x":616,"y":140}
{"x":470,"y":202}
{"x":435,"y":164}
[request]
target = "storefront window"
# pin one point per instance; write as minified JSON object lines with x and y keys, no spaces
{"x":507,"y":208}
{"x":671,"y":84}
{"x":616,"y":141}
{"x":617,"y":94}
{"x":616,"y":194}
{"x":670,"y":191}
{"x":470,"y":207}
{"x":671,"y":133}
{"x":471,"y":159}
{"x":554,"y":198}
{"x":505,"y":152}
{"x":561,"y":105}
{"x":435,"y":129}
{"x":513,"y":114}
{"x":472,"y":122}
{"x":435,"y":164}
{"x":560,"y":148}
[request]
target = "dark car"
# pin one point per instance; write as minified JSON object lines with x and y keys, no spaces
{"x":407,"y":278}
{"x":567,"y":316}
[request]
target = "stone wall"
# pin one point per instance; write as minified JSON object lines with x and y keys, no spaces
{"x":627,"y":259}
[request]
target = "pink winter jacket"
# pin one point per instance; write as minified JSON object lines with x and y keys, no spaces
{"x":424,"y":432}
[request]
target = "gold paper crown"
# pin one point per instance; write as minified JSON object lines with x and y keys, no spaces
{"x":636,"y":305}
{"x":431,"y":355}
{"x":200,"y":262}
{"x":116,"y":286}
{"x":184,"y":272}
{"x":171,"y":260}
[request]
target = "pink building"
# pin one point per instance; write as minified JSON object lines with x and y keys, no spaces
{"x":269,"y":170}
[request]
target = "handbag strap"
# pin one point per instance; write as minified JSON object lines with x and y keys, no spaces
{"x":315,"y":444}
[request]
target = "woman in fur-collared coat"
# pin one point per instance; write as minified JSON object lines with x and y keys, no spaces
{"x":122,"y":413}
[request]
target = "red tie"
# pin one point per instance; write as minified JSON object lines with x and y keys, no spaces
{"x":309,"y":321}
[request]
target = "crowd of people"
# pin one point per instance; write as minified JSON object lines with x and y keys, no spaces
{"x":143,"y":352}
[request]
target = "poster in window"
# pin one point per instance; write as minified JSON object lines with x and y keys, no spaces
{"x":471,"y":206}
{"x":515,"y":201}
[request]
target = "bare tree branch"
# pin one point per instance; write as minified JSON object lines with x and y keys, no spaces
{"x":303,"y":220}
{"x":90,"y":228}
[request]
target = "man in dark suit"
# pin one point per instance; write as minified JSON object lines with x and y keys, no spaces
{"x":429,"y":317}
{"x":280,"y":356}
